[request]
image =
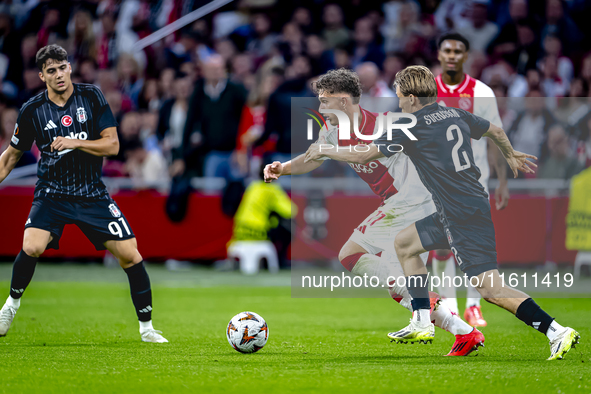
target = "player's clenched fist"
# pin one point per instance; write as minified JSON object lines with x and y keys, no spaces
{"x":272,"y":171}
{"x":62,"y":143}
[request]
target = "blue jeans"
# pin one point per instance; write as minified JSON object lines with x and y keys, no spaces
{"x":218,"y":164}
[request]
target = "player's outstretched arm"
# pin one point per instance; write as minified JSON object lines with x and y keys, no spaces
{"x":8,"y":161}
{"x":107,"y":145}
{"x":363,"y":156}
{"x":517,"y":160}
{"x":296,"y":166}
{"x":502,"y":190}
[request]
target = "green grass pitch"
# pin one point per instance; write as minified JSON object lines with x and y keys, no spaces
{"x":81,"y":336}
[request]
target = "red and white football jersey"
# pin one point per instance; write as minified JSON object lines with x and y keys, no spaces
{"x":466,"y":95}
{"x":392,"y":178}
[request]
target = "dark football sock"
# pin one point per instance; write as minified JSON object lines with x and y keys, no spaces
{"x":418,"y":290}
{"x":141,"y":292}
{"x":531,"y":314}
{"x":22,"y":273}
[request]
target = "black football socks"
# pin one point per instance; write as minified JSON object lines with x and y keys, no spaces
{"x":141,"y":292}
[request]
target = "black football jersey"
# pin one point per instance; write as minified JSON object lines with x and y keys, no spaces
{"x":443,"y":158}
{"x":69,"y":173}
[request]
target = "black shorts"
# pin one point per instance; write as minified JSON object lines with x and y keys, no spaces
{"x":472,"y":241}
{"x":99,"y":220}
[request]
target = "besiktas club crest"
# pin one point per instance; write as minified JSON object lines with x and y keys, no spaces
{"x":114,"y":211}
{"x":81,"y":115}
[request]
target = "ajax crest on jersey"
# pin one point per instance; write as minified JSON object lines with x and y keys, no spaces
{"x":81,"y":115}
{"x":114,"y":211}
{"x":247,"y":332}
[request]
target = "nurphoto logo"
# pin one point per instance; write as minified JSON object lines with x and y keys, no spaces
{"x":385,"y":121}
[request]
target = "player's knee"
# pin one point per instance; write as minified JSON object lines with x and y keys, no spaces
{"x":33,"y":249}
{"x":129,"y":258}
{"x":343,"y":253}
{"x":402,"y":244}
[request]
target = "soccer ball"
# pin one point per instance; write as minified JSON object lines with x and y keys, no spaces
{"x":247,"y":332}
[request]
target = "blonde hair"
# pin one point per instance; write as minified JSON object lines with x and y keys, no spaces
{"x":418,"y":81}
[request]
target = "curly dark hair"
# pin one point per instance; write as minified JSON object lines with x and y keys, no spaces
{"x":53,"y":51}
{"x":339,"y":81}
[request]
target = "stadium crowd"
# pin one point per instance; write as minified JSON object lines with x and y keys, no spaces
{"x":213,"y":99}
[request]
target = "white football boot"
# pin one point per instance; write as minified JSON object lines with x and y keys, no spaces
{"x":563,"y":342}
{"x":414,"y":332}
{"x":6,"y":316}
{"x":153,"y":336}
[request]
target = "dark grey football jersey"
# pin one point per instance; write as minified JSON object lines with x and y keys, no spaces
{"x":69,"y":173}
{"x":443,"y":158}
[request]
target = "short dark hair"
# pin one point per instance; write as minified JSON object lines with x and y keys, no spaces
{"x":52,"y":51}
{"x":340,"y":81}
{"x":452,"y":35}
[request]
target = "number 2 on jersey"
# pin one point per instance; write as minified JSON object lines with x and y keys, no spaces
{"x":454,"y":152}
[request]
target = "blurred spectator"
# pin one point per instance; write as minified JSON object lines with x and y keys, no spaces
{"x":109,"y":42}
{"x":129,"y":133}
{"x":9,"y":117}
{"x":226,"y":49}
{"x":32,"y":85}
{"x":9,"y":51}
{"x":335,"y":33}
{"x":82,"y":42}
{"x":291,"y":42}
{"x":561,"y":164}
{"x":212,"y":120}
{"x":530,"y":130}
{"x":375,"y":89}
{"x":49,"y":27}
{"x":130,"y":77}
{"x":479,"y":31}
{"x":553,"y":47}
{"x":372,"y":84}
{"x":115,"y":100}
{"x":552,"y":84}
{"x":299,"y":69}
{"x":242,"y":70}
{"x":343,"y":57}
{"x":87,"y":68}
{"x":586,"y":71}
{"x":145,"y":166}
{"x":451,"y":14}
{"x":506,"y":113}
{"x":190,"y":69}
{"x":558,"y":23}
{"x":252,"y":120}
{"x":278,"y":122}
{"x":171,"y":122}
{"x":401,"y":35}
{"x":303,"y":18}
{"x":148,"y":97}
{"x":165,"y":83}
{"x":263,"y":39}
{"x":521,"y":85}
{"x":392,"y":65}
{"x":521,"y":53}
{"x":321,"y":59}
{"x":366,"y":47}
